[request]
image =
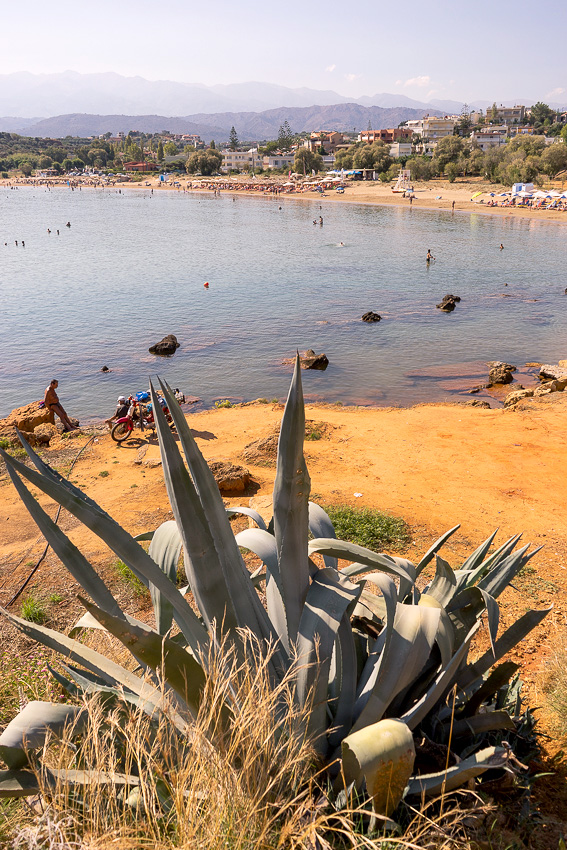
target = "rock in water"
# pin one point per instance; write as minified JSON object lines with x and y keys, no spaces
{"x":448,"y":302}
{"x":500,"y":373}
{"x":105,"y":369}
{"x":310,"y":360}
{"x":371,"y":317}
{"x":165,"y":347}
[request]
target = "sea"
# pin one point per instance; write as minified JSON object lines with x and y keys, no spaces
{"x":132,"y":266}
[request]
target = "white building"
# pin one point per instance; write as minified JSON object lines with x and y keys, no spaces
{"x":280,"y":160}
{"x":433,"y":128}
{"x":241,"y":160}
{"x":400,"y":149}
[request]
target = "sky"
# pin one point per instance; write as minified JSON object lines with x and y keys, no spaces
{"x":450,"y":49}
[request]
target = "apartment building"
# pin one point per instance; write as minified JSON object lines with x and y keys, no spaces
{"x":326,"y":141}
{"x":508,"y":114}
{"x":393,"y":134}
{"x":433,"y":128}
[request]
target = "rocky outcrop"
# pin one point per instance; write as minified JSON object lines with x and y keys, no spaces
{"x":310,"y":360}
{"x":45,"y":433}
{"x":549,"y":372}
{"x":371,"y":317}
{"x":29,"y":417}
{"x":517,"y":395}
{"x":478,"y":402}
{"x":166,"y":346}
{"x":230,"y":477}
{"x":448,"y":302}
{"x":500,"y":373}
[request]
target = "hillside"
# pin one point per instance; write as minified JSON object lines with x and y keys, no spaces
{"x":249,"y":125}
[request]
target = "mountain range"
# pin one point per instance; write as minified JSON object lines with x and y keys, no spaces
{"x":26,"y":95}
{"x":250,"y":126}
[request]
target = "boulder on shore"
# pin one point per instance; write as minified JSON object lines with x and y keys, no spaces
{"x":45,"y":432}
{"x":29,"y":416}
{"x":166,"y":346}
{"x":371,"y":317}
{"x":448,"y":302}
{"x":229,"y":476}
{"x":500,"y":373}
{"x":310,"y":360}
{"x":517,"y":395}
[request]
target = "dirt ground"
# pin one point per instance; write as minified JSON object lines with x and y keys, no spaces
{"x":434,"y":465}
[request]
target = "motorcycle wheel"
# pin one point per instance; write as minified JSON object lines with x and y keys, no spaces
{"x":120,"y":432}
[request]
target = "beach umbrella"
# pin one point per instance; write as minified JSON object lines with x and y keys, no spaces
{"x":476,"y":195}
{"x":504,"y":194}
{"x":492,"y":194}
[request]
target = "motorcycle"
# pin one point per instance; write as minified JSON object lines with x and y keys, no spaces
{"x":139,"y":416}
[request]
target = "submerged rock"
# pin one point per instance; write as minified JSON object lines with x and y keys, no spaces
{"x":166,"y":346}
{"x":448,"y":302}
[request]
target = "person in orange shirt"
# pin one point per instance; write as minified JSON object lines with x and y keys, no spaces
{"x":51,"y":400}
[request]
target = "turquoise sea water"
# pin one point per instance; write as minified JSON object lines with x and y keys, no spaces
{"x":132,"y":266}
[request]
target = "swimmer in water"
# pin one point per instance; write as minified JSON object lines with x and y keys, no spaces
{"x":501,"y":246}
{"x":429,"y":256}
{"x":341,"y":244}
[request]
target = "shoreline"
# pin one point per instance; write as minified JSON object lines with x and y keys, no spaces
{"x":366,"y":193}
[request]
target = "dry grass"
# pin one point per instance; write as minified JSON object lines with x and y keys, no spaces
{"x":258,"y":788}
{"x":555,"y":685}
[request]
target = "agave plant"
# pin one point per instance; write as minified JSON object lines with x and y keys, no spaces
{"x":375,"y":656}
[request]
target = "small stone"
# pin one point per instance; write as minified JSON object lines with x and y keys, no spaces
{"x":478,"y":402}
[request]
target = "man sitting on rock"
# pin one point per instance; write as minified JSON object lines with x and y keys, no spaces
{"x":51,"y":401}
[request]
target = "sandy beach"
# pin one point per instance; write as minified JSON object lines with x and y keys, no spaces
{"x":431,"y":195}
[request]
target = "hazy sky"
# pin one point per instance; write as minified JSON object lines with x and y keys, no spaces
{"x":499,"y":49}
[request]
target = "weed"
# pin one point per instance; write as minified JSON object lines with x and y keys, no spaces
{"x":104,"y":473}
{"x":223,"y":403}
{"x":262,"y":401}
{"x":33,"y":609}
{"x":55,"y":598}
{"x":313,"y":434}
{"x":555,"y":684}
{"x":132,"y":486}
{"x":5,"y":444}
{"x":370,"y":528}
{"x":126,"y":573}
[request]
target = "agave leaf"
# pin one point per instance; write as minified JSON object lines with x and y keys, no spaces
{"x":364,"y":557}
{"x":66,"y":551}
{"x":443,"y":585}
{"x":181,"y":671}
{"x":466,"y":607}
{"x":328,"y":599}
{"x":432,"y":784}
{"x":202,"y":564}
{"x":290,"y":500}
{"x":144,"y":536}
{"x":507,"y":641}
{"x":78,"y":682}
{"x":242,"y":600}
{"x":320,"y":525}
{"x":445,"y":638}
{"x":498,"y":677}
{"x":98,"y":664}
{"x":263,"y":544}
{"x":235,"y":511}
{"x":478,"y":556}
{"x":122,"y":543}
{"x":165,"y":549}
{"x":32,"y":726}
{"x":413,"y":636}
{"x":345,"y":685}
{"x":381,"y":646}
{"x":434,"y":549}
{"x":18,"y":783}
{"x":87,"y":621}
{"x":480,"y":723}
{"x":502,"y":574}
{"x":494,"y":559}
{"x":382,"y":755}
{"x":439,"y":687}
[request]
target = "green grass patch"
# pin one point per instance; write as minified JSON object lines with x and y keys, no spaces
{"x":33,"y":609}
{"x":55,"y":598}
{"x":133,"y":581}
{"x":104,"y":473}
{"x":313,"y":434}
{"x":370,"y":528}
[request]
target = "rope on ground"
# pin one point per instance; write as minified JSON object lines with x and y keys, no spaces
{"x":45,"y":551}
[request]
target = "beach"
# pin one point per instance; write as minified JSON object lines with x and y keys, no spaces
{"x":436,"y":194}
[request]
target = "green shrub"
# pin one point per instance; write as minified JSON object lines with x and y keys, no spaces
{"x":223,"y":403}
{"x":370,"y":528}
{"x":104,"y":473}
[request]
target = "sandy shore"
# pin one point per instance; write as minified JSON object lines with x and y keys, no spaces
{"x":432,"y":195}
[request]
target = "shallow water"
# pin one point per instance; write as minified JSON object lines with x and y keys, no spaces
{"x":132,"y":266}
